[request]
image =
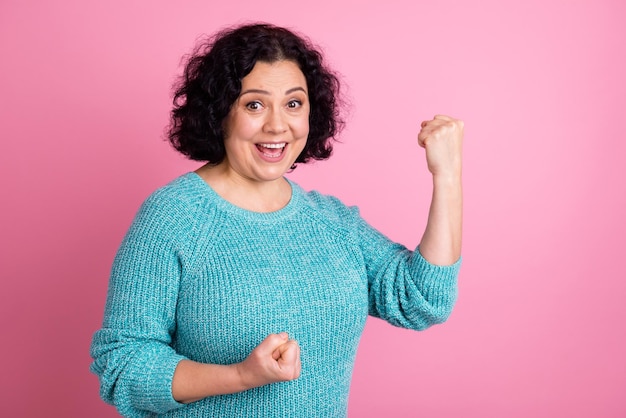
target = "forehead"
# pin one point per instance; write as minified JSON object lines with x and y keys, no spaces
{"x":279,"y":74}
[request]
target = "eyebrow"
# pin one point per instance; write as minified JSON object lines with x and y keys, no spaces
{"x":291,"y":90}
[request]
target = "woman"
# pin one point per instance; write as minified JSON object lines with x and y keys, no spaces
{"x":237,"y":293}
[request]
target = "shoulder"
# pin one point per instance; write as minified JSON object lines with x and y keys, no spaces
{"x":172,"y":208}
{"x":326,"y":207}
{"x":183,"y":193}
{"x":182,"y":200}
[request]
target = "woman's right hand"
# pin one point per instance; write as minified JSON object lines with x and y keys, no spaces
{"x":275,"y":359}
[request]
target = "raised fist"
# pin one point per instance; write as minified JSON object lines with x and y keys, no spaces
{"x":442,"y":137}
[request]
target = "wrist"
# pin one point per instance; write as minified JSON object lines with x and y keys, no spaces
{"x":241,"y":376}
{"x":450,"y":179}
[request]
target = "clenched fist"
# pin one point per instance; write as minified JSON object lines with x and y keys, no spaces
{"x":275,"y":359}
{"x":442,"y":137}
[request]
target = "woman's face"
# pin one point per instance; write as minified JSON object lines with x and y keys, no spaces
{"x":268,"y":125}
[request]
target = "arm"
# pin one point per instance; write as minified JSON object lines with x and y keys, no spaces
{"x":276,"y":359}
{"x":418,"y":289}
{"x":132,"y":352}
{"x":442,"y":139}
{"x":139,"y":370}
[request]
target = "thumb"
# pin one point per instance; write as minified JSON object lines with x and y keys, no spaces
{"x":271,"y":343}
{"x":287,"y":353}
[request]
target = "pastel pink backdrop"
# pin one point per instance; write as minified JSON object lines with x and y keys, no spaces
{"x":539,"y":327}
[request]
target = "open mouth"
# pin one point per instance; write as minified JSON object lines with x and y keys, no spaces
{"x":272,"y":150}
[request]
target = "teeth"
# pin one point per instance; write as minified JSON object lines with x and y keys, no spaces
{"x":281,"y":145}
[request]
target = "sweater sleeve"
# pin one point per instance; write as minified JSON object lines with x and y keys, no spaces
{"x":404,"y":289}
{"x":132,"y":354}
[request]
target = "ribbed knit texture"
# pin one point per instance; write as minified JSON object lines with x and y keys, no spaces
{"x":199,"y":278}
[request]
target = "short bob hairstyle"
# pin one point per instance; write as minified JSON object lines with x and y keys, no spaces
{"x":211,"y":83}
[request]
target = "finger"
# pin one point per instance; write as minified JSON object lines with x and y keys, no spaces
{"x":422,"y":137}
{"x":422,"y":134}
{"x":298,"y":361}
{"x":298,"y":368}
{"x":289,"y":352}
{"x":284,"y":349}
{"x":271,"y":342}
{"x":447,"y":118}
{"x":289,"y":361}
{"x":433,"y":125}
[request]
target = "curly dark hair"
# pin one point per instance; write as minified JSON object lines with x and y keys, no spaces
{"x":211,"y":83}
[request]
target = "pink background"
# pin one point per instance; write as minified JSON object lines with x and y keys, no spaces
{"x":539,"y":327}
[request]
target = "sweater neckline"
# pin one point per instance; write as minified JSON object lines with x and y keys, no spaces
{"x":224,"y":205}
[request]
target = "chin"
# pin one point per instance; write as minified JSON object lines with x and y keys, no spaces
{"x":272,"y":175}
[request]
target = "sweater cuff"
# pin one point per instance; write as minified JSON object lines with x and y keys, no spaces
{"x":438,"y":284}
{"x":156,"y":395}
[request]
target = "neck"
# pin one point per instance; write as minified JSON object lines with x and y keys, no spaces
{"x":253,"y":195}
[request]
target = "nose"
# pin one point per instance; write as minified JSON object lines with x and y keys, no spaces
{"x":275,"y":122}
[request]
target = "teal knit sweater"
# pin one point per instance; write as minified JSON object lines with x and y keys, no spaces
{"x":199,"y":278}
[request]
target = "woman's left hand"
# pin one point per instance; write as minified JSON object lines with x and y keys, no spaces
{"x":442,"y":137}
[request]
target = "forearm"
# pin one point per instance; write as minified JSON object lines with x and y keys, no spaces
{"x":193,"y":381}
{"x":441,"y":242}
{"x":275,"y":359}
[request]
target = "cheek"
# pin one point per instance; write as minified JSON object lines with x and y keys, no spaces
{"x":302,"y":127}
{"x":304,"y":131}
{"x":241,"y":127}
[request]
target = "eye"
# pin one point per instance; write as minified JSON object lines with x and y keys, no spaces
{"x":294,"y":104}
{"x":255,"y":105}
